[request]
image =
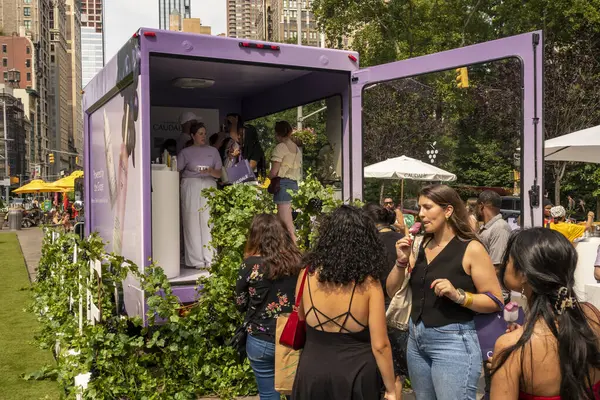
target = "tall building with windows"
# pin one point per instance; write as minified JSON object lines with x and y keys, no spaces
{"x":167,"y":7}
{"x":92,"y":39}
{"x":30,"y":18}
{"x":277,"y":22}
{"x":242,"y":16}
{"x":18,"y":72}
{"x":61,"y":114}
{"x":74,"y":49}
{"x":16,"y":126}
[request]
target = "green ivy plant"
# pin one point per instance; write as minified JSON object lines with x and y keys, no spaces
{"x":180,"y":352}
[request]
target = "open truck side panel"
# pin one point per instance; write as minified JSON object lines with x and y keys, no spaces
{"x":528,"y":48}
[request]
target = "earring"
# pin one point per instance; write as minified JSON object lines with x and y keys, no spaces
{"x":523,"y":292}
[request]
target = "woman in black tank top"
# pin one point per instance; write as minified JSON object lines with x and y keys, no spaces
{"x":347,"y":350}
{"x":451,"y":275}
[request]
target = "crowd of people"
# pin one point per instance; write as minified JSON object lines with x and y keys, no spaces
{"x":205,"y":162}
{"x":382,"y":303}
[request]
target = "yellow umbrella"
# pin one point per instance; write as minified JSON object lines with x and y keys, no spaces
{"x":36,"y":186}
{"x":68,"y":182}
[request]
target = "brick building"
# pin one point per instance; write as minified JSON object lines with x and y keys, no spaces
{"x":17,"y":54}
{"x":30,"y":18}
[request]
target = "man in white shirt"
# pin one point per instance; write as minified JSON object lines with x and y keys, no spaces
{"x":186,"y":119}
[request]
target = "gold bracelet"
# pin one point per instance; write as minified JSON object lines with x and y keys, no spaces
{"x":468,"y":300}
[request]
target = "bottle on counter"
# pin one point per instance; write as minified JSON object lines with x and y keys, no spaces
{"x":174,"y":163}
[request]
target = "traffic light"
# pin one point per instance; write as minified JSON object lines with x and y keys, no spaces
{"x":462,"y":77}
{"x":51,"y":158}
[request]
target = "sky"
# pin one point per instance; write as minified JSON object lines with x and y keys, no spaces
{"x":123,"y":17}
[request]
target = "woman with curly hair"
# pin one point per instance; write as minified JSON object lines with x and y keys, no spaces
{"x":452,"y":278}
{"x":343,"y":305}
{"x":556,"y":354}
{"x":265,"y":290}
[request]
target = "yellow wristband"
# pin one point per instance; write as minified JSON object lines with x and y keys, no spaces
{"x":468,"y":300}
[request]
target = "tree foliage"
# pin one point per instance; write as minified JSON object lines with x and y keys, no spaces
{"x":478,"y":127}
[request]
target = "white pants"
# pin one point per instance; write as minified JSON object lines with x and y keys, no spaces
{"x":195,"y":215}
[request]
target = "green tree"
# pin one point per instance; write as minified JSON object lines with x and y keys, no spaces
{"x":384,"y":31}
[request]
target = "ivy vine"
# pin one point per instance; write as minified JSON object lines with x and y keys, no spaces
{"x":181,"y":352}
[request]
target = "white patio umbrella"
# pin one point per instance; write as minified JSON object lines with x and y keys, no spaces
{"x":407,"y":168}
{"x":582,"y":146}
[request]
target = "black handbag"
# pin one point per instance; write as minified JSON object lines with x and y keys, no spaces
{"x":238,"y":340}
{"x":274,"y":186}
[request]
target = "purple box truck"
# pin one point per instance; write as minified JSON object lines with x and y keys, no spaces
{"x":134,"y":103}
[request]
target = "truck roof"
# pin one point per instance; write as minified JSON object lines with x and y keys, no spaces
{"x":148,"y":42}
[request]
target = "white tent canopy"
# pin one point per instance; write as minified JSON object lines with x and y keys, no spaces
{"x":582,"y":146}
{"x":407,"y":168}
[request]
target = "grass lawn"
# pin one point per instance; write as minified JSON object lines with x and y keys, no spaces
{"x":18,"y":354}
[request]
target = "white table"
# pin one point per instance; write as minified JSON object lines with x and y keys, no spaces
{"x":586,"y":287}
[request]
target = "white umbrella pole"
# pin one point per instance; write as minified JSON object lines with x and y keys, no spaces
{"x":402,"y":195}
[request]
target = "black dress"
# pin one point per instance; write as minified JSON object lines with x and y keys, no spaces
{"x":336,"y":365}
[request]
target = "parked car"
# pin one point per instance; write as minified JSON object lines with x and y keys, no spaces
{"x":511,"y":207}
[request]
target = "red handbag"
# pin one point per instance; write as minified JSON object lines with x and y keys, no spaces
{"x":294,"y":332}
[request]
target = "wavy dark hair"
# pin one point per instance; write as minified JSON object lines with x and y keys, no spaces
{"x":548,"y":260}
{"x":196,"y":126}
{"x":271,"y":239}
{"x":444,"y":196}
{"x":348,"y":248}
{"x":380,"y":214}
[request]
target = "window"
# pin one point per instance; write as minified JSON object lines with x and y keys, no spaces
{"x":29,"y":77}
{"x":4,"y":48}
{"x":28,"y":63}
{"x":28,"y":50}
{"x":27,"y":1}
{"x":5,"y":75}
{"x":52,"y":59}
{"x":27,"y":11}
{"x":5,"y":62}
{"x":51,"y":47}
{"x":27,"y":24}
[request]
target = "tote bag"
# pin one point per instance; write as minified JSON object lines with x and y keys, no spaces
{"x":286,"y":361}
{"x":491,"y":326}
{"x":240,"y":172}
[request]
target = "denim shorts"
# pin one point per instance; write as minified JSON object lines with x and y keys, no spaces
{"x":444,"y":363}
{"x":283,"y":197}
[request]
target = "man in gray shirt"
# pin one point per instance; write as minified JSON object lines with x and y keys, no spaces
{"x":495,"y":231}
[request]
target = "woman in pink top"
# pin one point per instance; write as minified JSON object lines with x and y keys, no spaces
{"x":556,"y":354}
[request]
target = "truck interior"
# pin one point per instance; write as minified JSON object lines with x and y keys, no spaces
{"x":251,"y":90}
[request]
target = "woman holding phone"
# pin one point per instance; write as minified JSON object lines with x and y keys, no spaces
{"x":200,"y":166}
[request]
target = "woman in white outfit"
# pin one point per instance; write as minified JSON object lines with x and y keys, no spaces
{"x":200,"y":166}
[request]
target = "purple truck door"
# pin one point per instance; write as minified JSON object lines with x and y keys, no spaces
{"x":528,"y":48}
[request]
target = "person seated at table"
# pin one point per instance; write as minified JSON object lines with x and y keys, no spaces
{"x":570,"y":231}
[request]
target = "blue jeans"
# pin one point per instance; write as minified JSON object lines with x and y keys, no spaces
{"x":261,"y":355}
{"x":444,"y":363}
